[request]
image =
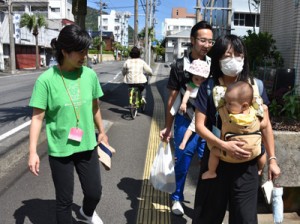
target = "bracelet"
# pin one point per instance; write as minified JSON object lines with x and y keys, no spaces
{"x":272,"y":157}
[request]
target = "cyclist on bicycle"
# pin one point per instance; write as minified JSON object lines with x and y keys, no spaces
{"x":134,"y":70}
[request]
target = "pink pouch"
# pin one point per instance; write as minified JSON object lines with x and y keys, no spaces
{"x":75,"y":134}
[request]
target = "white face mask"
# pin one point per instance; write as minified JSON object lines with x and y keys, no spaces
{"x":232,"y":66}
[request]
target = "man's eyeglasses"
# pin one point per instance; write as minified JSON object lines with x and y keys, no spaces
{"x":204,"y":41}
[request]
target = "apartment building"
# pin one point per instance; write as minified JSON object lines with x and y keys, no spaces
{"x":58,"y":14}
{"x":116,"y":22}
{"x":177,"y":45}
{"x":176,"y":31}
{"x":180,"y":20}
{"x":244,"y":17}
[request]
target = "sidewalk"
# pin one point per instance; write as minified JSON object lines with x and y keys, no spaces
{"x":23,"y":71}
{"x":265,"y":215}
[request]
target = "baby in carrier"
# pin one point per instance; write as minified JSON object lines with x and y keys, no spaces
{"x":240,"y":122}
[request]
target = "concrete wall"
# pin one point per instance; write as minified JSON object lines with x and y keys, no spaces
{"x":105,"y":57}
{"x":287,"y":148}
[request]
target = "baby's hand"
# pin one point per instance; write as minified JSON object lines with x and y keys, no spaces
{"x":183,"y":108}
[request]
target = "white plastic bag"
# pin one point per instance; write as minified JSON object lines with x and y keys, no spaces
{"x":162,"y":174}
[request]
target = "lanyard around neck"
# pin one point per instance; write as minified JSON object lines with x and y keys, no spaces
{"x":77,"y":112}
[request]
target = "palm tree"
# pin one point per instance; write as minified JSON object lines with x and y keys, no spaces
{"x":33,"y":24}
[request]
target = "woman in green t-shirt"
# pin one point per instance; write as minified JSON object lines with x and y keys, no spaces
{"x":66,"y":95}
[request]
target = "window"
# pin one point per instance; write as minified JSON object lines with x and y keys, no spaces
{"x":38,"y":9}
{"x":105,"y":20}
{"x":18,"y":8}
{"x":55,"y":9}
{"x":170,"y":43}
{"x":184,"y":44}
{"x":246,"y":19}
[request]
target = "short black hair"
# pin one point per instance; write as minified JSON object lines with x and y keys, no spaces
{"x":198,"y":26}
{"x":135,"y":53}
{"x":71,"y":38}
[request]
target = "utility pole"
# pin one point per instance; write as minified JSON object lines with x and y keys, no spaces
{"x":229,"y":16}
{"x":11,"y":39}
{"x":198,"y":10}
{"x":150,"y":36}
{"x":102,"y":6}
{"x":146,"y":33}
{"x":211,"y":11}
{"x":136,"y":23}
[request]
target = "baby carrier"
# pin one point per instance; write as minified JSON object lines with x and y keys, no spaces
{"x":231,"y":131}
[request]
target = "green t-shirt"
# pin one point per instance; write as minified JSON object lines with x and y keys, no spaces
{"x":50,"y":94}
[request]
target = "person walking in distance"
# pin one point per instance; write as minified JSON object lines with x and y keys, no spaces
{"x":66,"y":95}
{"x":134,"y":70}
{"x":201,"y":38}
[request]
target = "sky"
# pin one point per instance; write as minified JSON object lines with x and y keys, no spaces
{"x":164,"y":10}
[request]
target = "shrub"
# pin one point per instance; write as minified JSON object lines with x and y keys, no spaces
{"x":288,"y":108}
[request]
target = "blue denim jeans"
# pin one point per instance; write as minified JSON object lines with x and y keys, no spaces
{"x":184,"y":157}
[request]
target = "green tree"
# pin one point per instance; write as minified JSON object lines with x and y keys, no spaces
{"x":262,"y":50}
{"x":33,"y":23}
{"x":91,"y":16}
{"x":142,"y":33}
{"x":117,"y":47}
{"x":160,"y":50}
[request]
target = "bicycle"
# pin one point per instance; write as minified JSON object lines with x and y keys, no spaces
{"x":136,"y":101}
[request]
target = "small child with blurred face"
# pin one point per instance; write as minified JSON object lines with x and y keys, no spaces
{"x":199,"y":71}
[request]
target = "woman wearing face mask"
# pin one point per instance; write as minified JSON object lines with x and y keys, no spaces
{"x":236,"y":184}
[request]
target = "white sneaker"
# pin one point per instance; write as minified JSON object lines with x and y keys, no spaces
{"x":177,"y":208}
{"x":95,"y":219}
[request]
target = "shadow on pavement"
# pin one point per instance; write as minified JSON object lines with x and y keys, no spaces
{"x":132,"y":188}
{"x":42,"y":211}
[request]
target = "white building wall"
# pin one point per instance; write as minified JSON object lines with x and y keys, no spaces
{"x":173,"y":25}
{"x":45,"y":35}
{"x":116,"y":22}
{"x":65,"y":9}
{"x":241,"y":6}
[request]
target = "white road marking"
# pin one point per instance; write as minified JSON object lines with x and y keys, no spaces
{"x":13,"y":131}
{"x":113,"y":80}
